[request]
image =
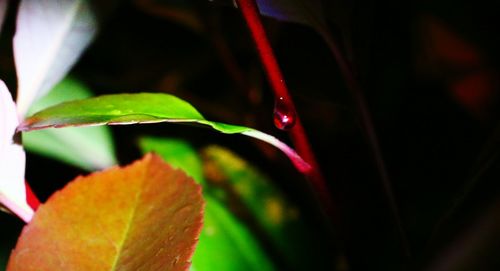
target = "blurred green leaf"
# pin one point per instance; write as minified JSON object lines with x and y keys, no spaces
{"x":141,"y":108}
{"x":89,"y":148}
{"x":69,"y":89}
{"x":275,"y":215}
{"x":225,"y":243}
{"x":177,"y":152}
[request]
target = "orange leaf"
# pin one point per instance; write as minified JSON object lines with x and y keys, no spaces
{"x":146,"y":216}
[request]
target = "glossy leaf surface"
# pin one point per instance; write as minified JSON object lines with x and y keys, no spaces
{"x":141,"y":108}
{"x":90,"y":148}
{"x":146,"y":216}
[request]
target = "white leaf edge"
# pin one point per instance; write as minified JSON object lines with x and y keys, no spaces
{"x":294,"y":157}
{"x":12,"y":160}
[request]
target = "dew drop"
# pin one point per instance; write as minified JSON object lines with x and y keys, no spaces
{"x":284,"y":114}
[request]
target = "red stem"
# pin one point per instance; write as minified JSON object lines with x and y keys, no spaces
{"x":31,"y":198}
{"x":251,"y":14}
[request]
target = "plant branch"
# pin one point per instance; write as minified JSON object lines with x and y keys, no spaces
{"x":251,"y":15}
{"x":31,"y":198}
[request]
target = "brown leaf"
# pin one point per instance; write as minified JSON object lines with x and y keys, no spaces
{"x":146,"y":216}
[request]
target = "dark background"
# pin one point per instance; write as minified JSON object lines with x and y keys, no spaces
{"x":429,"y":73}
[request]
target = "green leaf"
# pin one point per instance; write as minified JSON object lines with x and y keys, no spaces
{"x":90,"y":148}
{"x":69,"y":89}
{"x":225,"y":242}
{"x":282,"y":221}
{"x":141,"y":108}
{"x":177,"y":153}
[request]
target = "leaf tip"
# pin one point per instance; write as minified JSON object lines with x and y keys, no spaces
{"x":294,"y":157}
{"x":25,"y":125}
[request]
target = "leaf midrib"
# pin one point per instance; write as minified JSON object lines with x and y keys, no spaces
{"x":119,"y":248}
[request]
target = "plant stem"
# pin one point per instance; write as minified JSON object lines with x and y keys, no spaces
{"x":250,"y":13}
{"x":31,"y":198}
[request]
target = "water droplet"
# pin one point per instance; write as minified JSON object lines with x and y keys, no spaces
{"x":284,"y":114}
